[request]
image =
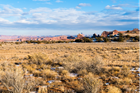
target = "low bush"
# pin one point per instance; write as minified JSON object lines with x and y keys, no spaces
{"x":94,"y":66}
{"x":113,"y":89}
{"x":78,"y":40}
{"x":49,"y":74}
{"x":91,"y":84}
{"x":43,"y":90}
{"x":14,"y":80}
{"x":39,"y":59}
{"x":87,"y":39}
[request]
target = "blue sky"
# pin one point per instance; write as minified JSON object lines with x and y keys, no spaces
{"x":67,"y":17}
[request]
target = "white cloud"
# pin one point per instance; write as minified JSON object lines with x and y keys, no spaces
{"x":40,"y":10}
{"x":113,"y":7}
{"x":41,"y":0}
{"x":84,"y":4}
{"x":24,"y":21}
{"x":63,"y":18}
{"x":10,"y":11}
{"x":77,"y":7}
{"x":45,"y":2}
{"x":4,"y":21}
{"x":114,"y":1}
{"x":48,"y":3}
{"x":24,"y":8}
{"x":58,"y":1}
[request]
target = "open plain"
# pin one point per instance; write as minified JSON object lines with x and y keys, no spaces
{"x":70,"y":66}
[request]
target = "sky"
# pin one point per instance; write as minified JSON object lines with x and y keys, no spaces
{"x":67,"y":17}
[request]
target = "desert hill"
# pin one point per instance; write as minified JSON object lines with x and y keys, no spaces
{"x":134,"y":32}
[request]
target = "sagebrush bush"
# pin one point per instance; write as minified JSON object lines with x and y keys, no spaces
{"x":49,"y":73}
{"x":13,"y":77}
{"x":77,"y":86}
{"x":125,"y":71}
{"x":65,"y":72}
{"x":113,"y":89}
{"x":91,"y":84}
{"x":39,"y":59}
{"x":82,"y":72}
{"x":94,"y":65}
{"x":37,"y":73}
{"x":43,"y":90}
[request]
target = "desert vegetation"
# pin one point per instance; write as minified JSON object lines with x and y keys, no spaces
{"x":69,"y":68}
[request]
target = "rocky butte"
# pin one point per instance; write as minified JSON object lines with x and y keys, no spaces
{"x":115,"y":32}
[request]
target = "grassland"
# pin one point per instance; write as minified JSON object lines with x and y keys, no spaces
{"x":75,"y":67}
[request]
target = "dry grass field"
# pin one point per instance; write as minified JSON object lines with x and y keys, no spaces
{"x":71,"y":67}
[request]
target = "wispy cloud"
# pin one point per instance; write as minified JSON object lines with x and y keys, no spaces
{"x":114,"y":1}
{"x":41,"y":0}
{"x":10,"y":11}
{"x":77,"y":7}
{"x":68,"y":18}
{"x":49,"y":3}
{"x":84,"y":4}
{"x":46,"y":1}
{"x":59,"y":1}
{"x":113,"y":7}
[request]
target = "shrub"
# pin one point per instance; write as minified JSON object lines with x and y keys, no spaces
{"x":99,"y":39}
{"x":113,"y":89}
{"x":77,"y":86}
{"x":82,"y":72}
{"x":49,"y":74}
{"x":91,"y":84}
{"x":29,"y":68}
{"x":136,"y":38}
{"x":64,"y":72}
{"x":127,"y":31}
{"x":125,"y":71}
{"x":95,"y":65}
{"x":37,"y":73}
{"x":127,"y":81}
{"x":78,"y":40}
{"x":120,"y":39}
{"x":127,"y":36}
{"x":87,"y":39}
{"x":39,"y":59}
{"x":17,"y":42}
{"x":43,"y":90}
{"x":106,"y":39}
{"x":28,"y":42}
{"x":14,"y":77}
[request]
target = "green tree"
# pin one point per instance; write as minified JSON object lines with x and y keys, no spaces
{"x":87,"y":39}
{"x":98,"y":39}
{"x":127,"y":31}
{"x":120,"y":35}
{"x":78,"y":40}
{"x":106,"y":39}
{"x":127,"y":36}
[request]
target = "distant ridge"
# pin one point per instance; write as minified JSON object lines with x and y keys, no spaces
{"x":6,"y":38}
{"x":115,"y":32}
